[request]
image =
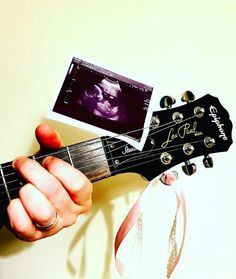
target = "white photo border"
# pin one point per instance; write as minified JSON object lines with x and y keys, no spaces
{"x":100,"y":131}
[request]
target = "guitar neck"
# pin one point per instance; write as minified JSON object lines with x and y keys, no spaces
{"x":89,"y":157}
{"x":199,"y":128}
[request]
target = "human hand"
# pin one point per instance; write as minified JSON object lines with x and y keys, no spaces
{"x":54,"y":196}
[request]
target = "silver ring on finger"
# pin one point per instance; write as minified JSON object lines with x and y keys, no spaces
{"x":48,"y":226}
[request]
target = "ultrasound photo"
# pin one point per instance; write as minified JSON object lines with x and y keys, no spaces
{"x":104,"y":99}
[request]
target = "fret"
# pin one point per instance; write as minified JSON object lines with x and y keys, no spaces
{"x":63,"y":155}
{"x":4,"y":192}
{"x":69,"y":155}
{"x":13,"y":180}
{"x":60,"y":153}
{"x":89,"y":157}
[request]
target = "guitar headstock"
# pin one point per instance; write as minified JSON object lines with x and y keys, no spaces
{"x":200,"y":127}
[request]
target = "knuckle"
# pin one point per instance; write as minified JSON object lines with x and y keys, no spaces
{"x":21,"y":228}
{"x":86,"y":206}
{"x":81,"y":184}
{"x":23,"y":190}
{"x":44,"y":216}
{"x":70,"y":220}
{"x":19,"y":224}
{"x":54,"y":187}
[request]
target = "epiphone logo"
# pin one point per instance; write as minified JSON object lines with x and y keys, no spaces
{"x":216,"y":120}
{"x":183,"y":130}
{"x":128,"y":150}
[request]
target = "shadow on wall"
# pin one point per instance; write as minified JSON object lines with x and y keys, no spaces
{"x":103,"y":196}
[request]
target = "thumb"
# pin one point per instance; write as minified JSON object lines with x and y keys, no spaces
{"x":47,"y":137}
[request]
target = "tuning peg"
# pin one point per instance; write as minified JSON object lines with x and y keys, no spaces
{"x":167,"y":102}
{"x":187,"y":96}
{"x":207,"y":161}
{"x":189,"y":168}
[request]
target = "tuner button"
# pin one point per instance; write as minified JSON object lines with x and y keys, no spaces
{"x":209,"y":142}
{"x":207,"y":161}
{"x":167,"y":102}
{"x":155,"y":121}
{"x":187,"y":96}
{"x":188,"y":148}
{"x":166,"y":158}
{"x":189,"y":168}
{"x":199,"y":112}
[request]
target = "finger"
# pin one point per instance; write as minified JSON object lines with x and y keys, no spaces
{"x":20,"y":221}
{"x":45,"y":182}
{"x":37,"y":206}
{"x":51,"y":187}
{"x":76,"y":183}
{"x":47,"y":137}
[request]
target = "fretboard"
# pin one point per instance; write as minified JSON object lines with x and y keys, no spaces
{"x":89,"y":157}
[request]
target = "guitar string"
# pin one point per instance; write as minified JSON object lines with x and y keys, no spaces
{"x":98,"y":148}
{"x":116,"y":171}
{"x":136,"y":156}
{"x":92,"y":142}
{"x":10,"y":190}
{"x":126,"y":144}
{"x":83,"y":162}
{"x":121,"y":169}
{"x":102,"y":147}
{"x":154,"y":131}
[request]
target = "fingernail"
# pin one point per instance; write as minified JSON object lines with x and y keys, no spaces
{"x":16,"y":161}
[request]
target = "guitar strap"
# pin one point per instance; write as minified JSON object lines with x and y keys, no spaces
{"x":134,"y":217}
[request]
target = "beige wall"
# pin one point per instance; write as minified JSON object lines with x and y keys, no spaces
{"x":177,"y":46}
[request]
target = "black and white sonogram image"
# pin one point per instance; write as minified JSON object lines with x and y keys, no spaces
{"x":104,"y":99}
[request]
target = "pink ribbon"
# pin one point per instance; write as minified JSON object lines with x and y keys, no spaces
{"x":133,"y":215}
